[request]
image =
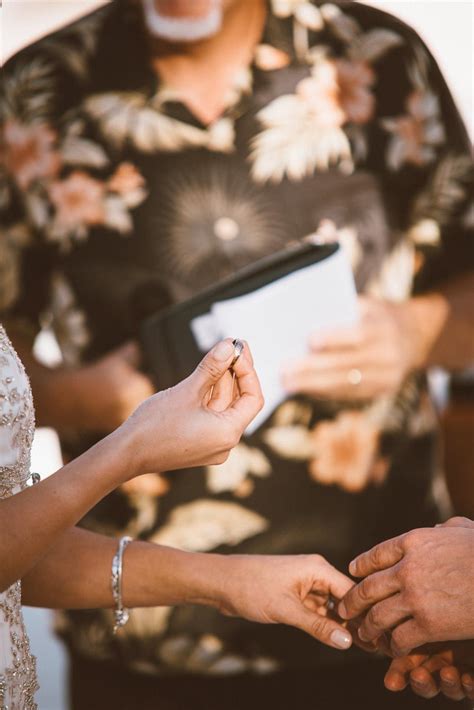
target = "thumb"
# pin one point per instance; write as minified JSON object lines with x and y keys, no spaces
{"x":213,"y":366}
{"x":320,"y":627}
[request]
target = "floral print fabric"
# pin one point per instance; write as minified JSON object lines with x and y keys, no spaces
{"x":116,"y":199}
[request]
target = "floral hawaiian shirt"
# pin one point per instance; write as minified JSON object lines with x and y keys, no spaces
{"x":343,"y":127}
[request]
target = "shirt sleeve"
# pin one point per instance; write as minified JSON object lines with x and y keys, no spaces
{"x":420,"y":148}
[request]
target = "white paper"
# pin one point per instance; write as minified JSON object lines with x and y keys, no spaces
{"x":278,"y":319}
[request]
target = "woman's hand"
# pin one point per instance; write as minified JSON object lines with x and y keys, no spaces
{"x":200,"y":420}
{"x":447,"y":669}
{"x":292,"y":590}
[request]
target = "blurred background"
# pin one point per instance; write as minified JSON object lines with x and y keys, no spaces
{"x":447,"y":28}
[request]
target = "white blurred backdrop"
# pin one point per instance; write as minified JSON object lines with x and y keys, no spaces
{"x":447,"y":28}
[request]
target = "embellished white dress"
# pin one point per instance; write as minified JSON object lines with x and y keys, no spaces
{"x":18,"y":681}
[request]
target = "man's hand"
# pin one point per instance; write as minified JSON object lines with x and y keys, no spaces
{"x":109,"y":390}
{"x":370,"y":359}
{"x":292,"y":590}
{"x":446,"y":669}
{"x":420,"y":584}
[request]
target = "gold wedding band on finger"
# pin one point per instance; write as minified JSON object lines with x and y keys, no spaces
{"x":238,"y":350}
{"x":354,"y":376}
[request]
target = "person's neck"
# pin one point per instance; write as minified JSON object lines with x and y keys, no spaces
{"x":202,"y":73}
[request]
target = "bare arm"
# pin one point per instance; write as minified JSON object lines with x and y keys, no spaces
{"x":95,"y":397}
{"x":193,"y":424}
{"x":290,"y":590}
{"x":445,"y":323}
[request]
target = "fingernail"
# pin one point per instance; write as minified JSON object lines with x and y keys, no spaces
{"x":223,"y":350}
{"x":361,"y":634}
{"x":449,"y":682}
{"x":342,"y":610}
{"x":353,"y":568}
{"x":341,"y":639}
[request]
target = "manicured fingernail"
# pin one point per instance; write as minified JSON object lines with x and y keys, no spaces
{"x":341,"y":639}
{"x":342,"y":610}
{"x":223,"y":350}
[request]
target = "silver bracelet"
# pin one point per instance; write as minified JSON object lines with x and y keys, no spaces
{"x":121,"y":614}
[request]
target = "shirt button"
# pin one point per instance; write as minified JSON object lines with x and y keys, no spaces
{"x":226,"y":228}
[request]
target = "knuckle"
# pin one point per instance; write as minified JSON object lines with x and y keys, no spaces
{"x":375,"y":618}
{"x":397,"y":641}
{"x":209,"y":368}
{"x":460,"y":521}
{"x":320,"y":628}
{"x":413,"y":539}
{"x":377,"y":556}
{"x":364,"y":590}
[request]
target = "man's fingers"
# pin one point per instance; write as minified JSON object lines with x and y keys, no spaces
{"x":406,"y":637}
{"x":213,"y":366}
{"x":457,"y":522}
{"x":467,"y":680}
{"x":397,"y":676}
{"x":423,"y":683}
{"x":372,"y":589}
{"x":250,"y":401}
{"x":386,"y":554}
{"x":319,"y":627}
{"x":338,"y":339}
{"x":381,"y":617}
{"x":451,"y":684}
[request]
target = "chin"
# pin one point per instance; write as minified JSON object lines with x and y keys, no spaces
{"x":183,"y":20}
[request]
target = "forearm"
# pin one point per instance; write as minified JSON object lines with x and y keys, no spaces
{"x":32,"y":520}
{"x":54,"y":389}
{"x":443,"y":323}
{"x":76,"y":573}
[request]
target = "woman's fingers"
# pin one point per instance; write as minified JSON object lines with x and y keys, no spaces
{"x":212,"y":367}
{"x":222,"y":393}
{"x":319,"y":627}
{"x":451,"y":684}
{"x":250,"y":400}
{"x":334,"y":582}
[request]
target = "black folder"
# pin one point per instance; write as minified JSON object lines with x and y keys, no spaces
{"x":169,"y":348}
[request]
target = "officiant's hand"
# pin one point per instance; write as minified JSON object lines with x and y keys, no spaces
{"x":200,"y":420}
{"x":107,"y":391}
{"x":370,"y":359}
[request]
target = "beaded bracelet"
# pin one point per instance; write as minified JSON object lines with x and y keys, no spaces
{"x":121,"y":614}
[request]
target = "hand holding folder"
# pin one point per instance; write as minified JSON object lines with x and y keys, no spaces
{"x":275,"y":304}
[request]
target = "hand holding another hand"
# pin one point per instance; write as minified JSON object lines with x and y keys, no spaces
{"x":420,"y":585}
{"x":292,"y":590}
